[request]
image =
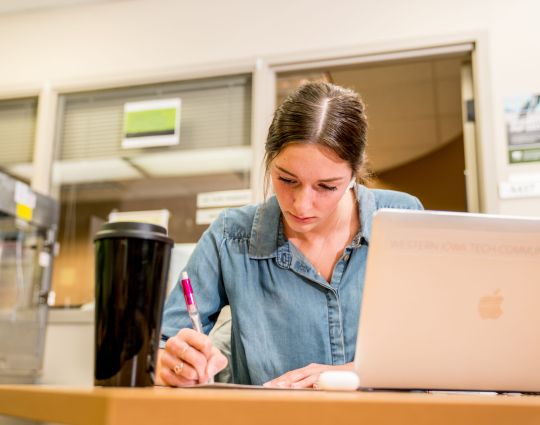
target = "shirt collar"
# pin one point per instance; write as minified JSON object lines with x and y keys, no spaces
{"x":367,"y":206}
{"x":268,"y":238}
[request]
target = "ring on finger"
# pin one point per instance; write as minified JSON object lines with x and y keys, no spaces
{"x":177,"y":369}
{"x":184,"y":351}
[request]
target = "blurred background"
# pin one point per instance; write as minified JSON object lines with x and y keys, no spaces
{"x":434,"y":77}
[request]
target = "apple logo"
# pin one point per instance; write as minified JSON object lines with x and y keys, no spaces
{"x":489,"y":307}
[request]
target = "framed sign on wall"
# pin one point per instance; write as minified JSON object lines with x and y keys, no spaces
{"x":522,"y":114}
{"x":151,"y":123}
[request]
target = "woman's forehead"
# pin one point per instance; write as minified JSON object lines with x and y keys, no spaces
{"x":311,"y":160}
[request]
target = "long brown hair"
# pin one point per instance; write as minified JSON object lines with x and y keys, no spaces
{"x":323,"y":114}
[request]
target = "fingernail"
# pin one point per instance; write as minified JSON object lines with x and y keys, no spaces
{"x":316,"y":386}
{"x":295,"y":385}
{"x":280,"y":384}
{"x":267,"y":384}
{"x":212,"y":371}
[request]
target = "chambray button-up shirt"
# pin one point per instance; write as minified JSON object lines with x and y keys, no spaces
{"x":284,"y":315}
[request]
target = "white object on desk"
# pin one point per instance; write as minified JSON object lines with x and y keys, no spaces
{"x":339,"y":381}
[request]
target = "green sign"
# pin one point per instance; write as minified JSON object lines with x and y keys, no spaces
{"x":151,"y":123}
{"x":517,"y":156}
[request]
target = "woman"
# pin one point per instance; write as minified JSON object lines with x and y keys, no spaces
{"x":292,"y":268}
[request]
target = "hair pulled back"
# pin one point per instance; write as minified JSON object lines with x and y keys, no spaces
{"x":323,"y":114}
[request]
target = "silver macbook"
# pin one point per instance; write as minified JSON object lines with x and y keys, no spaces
{"x":451,"y":302}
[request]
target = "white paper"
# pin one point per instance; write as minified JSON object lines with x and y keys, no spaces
{"x":24,"y":195}
{"x":221,"y":386}
{"x":44,"y":259}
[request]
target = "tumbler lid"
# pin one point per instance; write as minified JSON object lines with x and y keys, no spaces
{"x":132,"y":229}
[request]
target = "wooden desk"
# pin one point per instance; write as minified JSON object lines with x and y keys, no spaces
{"x":156,"y":406}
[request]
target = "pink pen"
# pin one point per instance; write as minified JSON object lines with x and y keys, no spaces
{"x":192,"y":308}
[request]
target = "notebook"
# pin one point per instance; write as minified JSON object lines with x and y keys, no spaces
{"x":451,"y":302}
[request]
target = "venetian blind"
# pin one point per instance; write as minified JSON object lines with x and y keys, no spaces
{"x":17,"y":130}
{"x":215,"y":112}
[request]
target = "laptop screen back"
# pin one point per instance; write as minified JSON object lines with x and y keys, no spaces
{"x":451,"y":302}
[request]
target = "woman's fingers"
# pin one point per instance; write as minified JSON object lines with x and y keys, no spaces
{"x":196,"y":360}
{"x":185,"y":370}
{"x":195,"y":357}
{"x":306,"y":382}
{"x":287,"y":379}
{"x":298,"y":375}
{"x":216,"y":363}
{"x":191,"y":348}
{"x":306,"y":376}
{"x":201,"y":360}
{"x":170,"y":378}
{"x":199,"y":341}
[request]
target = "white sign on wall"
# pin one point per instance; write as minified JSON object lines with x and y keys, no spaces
{"x":224,"y":198}
{"x":159,"y":217}
{"x":208,"y":215}
{"x":519,"y":189}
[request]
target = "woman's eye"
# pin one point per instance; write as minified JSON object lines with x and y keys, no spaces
{"x":286,"y":180}
{"x":328,"y":187}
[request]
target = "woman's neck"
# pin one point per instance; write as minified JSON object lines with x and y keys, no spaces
{"x":324,"y":246}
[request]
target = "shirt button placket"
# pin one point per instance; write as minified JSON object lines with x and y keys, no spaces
{"x":334,"y":324}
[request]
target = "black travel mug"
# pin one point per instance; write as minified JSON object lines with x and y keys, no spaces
{"x":132,"y":266}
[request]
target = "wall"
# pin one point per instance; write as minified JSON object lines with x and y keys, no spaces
{"x":89,"y":41}
{"x":106,"y":43}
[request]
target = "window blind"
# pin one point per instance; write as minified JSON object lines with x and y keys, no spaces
{"x":17,"y":130}
{"x":215,"y":112}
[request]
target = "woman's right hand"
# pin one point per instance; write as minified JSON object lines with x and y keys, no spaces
{"x":188,"y":359}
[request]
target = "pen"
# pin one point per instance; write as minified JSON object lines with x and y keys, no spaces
{"x":192,"y":308}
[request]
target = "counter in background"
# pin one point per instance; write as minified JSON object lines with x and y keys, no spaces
{"x":68,"y":357}
{"x":69,"y":339}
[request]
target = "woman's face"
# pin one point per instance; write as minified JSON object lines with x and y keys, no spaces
{"x":309,"y":181}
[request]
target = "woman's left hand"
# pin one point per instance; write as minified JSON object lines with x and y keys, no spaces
{"x":305,"y":377}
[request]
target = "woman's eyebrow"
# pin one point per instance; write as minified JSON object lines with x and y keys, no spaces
{"x":285,"y":171}
{"x":333,"y":179}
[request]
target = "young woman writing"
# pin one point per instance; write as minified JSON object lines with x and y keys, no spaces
{"x":292,"y":268}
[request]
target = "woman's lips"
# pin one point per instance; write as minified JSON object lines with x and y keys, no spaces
{"x":301,"y":219}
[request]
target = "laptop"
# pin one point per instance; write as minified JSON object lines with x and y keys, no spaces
{"x":451,"y":302}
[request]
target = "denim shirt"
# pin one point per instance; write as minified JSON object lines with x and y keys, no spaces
{"x":284,"y":315}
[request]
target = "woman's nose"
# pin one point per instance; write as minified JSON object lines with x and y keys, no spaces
{"x":302,"y":201}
